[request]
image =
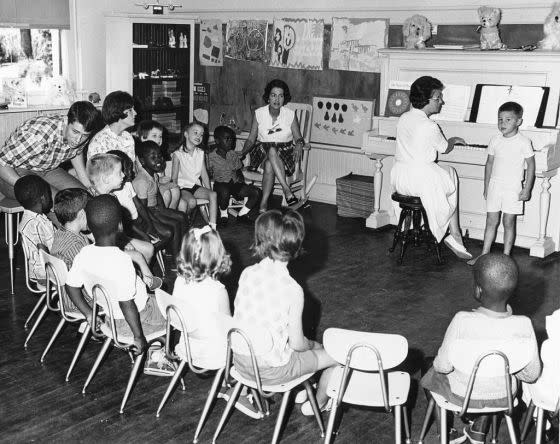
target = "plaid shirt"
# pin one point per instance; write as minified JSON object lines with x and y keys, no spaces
{"x":38,"y":145}
{"x":224,"y":170}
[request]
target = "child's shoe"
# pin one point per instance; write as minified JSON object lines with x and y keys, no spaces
{"x":157,"y":363}
{"x":152,"y":282}
{"x":244,"y":403}
{"x":307,"y":410}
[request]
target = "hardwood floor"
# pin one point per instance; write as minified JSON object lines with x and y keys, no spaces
{"x":350,"y":281}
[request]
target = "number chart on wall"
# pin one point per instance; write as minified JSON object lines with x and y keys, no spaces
{"x":340,"y":122}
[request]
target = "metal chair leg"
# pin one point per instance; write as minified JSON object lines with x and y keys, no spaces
{"x":40,"y":302}
{"x":443,"y":427}
{"x":540,"y":422}
{"x":132,"y":379}
{"x":81,"y":345}
{"x":171,"y":385}
{"x":281,"y":414}
{"x":527,"y":421}
{"x":160,"y":261}
{"x":427,"y":418}
{"x":511,"y":430}
{"x":314,"y":406}
{"x":262,"y":405}
{"x":398,"y":424}
{"x":229,"y":406}
{"x":495,"y":425}
{"x":97,"y":362}
{"x":36,"y":324}
{"x":330,"y":425}
{"x":209,"y":400}
{"x":53,"y":338}
{"x":406,"y":424}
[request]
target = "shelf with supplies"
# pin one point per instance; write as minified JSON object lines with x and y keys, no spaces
{"x":153,"y":58}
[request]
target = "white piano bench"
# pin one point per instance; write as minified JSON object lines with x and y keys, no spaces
{"x":413,"y":227}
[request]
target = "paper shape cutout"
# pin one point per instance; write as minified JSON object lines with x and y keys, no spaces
{"x":211,"y":43}
{"x":298,"y":43}
{"x":355,"y":41}
{"x":340,"y":122}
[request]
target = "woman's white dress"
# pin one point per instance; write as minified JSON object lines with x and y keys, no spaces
{"x":415,"y":172}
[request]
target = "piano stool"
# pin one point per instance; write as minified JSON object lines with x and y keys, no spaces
{"x":413,"y":212}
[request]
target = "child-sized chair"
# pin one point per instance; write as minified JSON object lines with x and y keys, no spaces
{"x":362,"y":380}
{"x":176,"y":318}
{"x":252,"y":341}
{"x":34,"y":287}
{"x":542,"y":405}
{"x":57,"y":272}
{"x":496,"y":360}
{"x":108,"y":332}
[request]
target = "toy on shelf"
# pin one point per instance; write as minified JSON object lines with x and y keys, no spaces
{"x":551,"y":27}
{"x":60,"y":92}
{"x":416,"y":30}
{"x":489,"y":33}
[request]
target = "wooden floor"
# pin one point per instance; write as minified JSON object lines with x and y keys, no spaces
{"x":349,"y":280}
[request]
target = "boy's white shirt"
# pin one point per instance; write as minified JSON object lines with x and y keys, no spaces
{"x":509,"y":158}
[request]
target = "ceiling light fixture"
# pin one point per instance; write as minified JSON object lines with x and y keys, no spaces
{"x":158,"y":6}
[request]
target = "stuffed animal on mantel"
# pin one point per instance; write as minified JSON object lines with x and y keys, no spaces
{"x":416,"y":30}
{"x":60,"y":92}
{"x":489,"y":33}
{"x":551,"y":41}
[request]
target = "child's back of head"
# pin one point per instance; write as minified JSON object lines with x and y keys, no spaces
{"x":278,"y":235}
{"x":69,"y":203}
{"x":33,"y":193}
{"x":127,"y":165}
{"x":496,"y":276}
{"x":203,"y":255}
{"x":104,"y":216}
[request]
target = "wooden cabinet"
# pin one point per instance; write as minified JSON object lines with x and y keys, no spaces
{"x":152,"y":57}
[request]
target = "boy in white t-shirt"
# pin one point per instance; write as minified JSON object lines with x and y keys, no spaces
{"x":504,"y":189}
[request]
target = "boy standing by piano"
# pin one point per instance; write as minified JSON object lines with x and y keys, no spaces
{"x":504,"y":188}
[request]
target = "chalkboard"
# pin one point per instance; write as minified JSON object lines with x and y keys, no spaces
{"x":237,"y":88}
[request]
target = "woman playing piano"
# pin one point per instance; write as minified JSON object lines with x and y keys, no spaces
{"x":416,"y":172}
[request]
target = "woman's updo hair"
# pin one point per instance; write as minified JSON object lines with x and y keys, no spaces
{"x":277,"y":83}
{"x":422,"y":89}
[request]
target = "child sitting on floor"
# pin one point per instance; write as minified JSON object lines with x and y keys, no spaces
{"x":170,"y":192}
{"x":170,"y":222}
{"x":495,"y":277}
{"x":106,"y":175}
{"x":188,"y":168}
{"x":270,"y":298}
{"x":225,"y":166}
{"x":37,"y":231}
{"x":135,"y":312}
{"x":504,"y":190}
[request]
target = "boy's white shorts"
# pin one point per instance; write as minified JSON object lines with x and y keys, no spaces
{"x":503,"y":198}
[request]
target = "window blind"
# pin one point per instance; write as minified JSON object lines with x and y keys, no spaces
{"x":35,"y":14}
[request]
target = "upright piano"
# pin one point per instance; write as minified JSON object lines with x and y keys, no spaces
{"x":539,"y":226}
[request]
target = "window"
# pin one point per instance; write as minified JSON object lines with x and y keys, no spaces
{"x":29,"y":59}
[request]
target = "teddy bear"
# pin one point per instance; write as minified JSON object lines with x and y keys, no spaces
{"x":551,"y":27}
{"x":416,"y":30}
{"x":59,"y":92}
{"x":489,"y":34}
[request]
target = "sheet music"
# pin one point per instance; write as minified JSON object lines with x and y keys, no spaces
{"x":456,"y":98}
{"x":492,"y":96}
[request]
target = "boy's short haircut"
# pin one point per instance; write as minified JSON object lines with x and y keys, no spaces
{"x":145,"y":126}
{"x":69,"y":202}
{"x":30,"y":189}
{"x":114,"y":106}
{"x":101,"y":165}
{"x":497,"y":275}
{"x":104,"y":215}
{"x":513,"y":107}
{"x":143,"y":148}
{"x":221,"y":131}
{"x":278,"y":235}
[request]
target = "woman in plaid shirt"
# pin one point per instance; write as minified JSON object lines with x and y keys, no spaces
{"x":41,"y":144}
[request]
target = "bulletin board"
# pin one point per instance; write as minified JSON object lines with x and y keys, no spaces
{"x":340,"y":122}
